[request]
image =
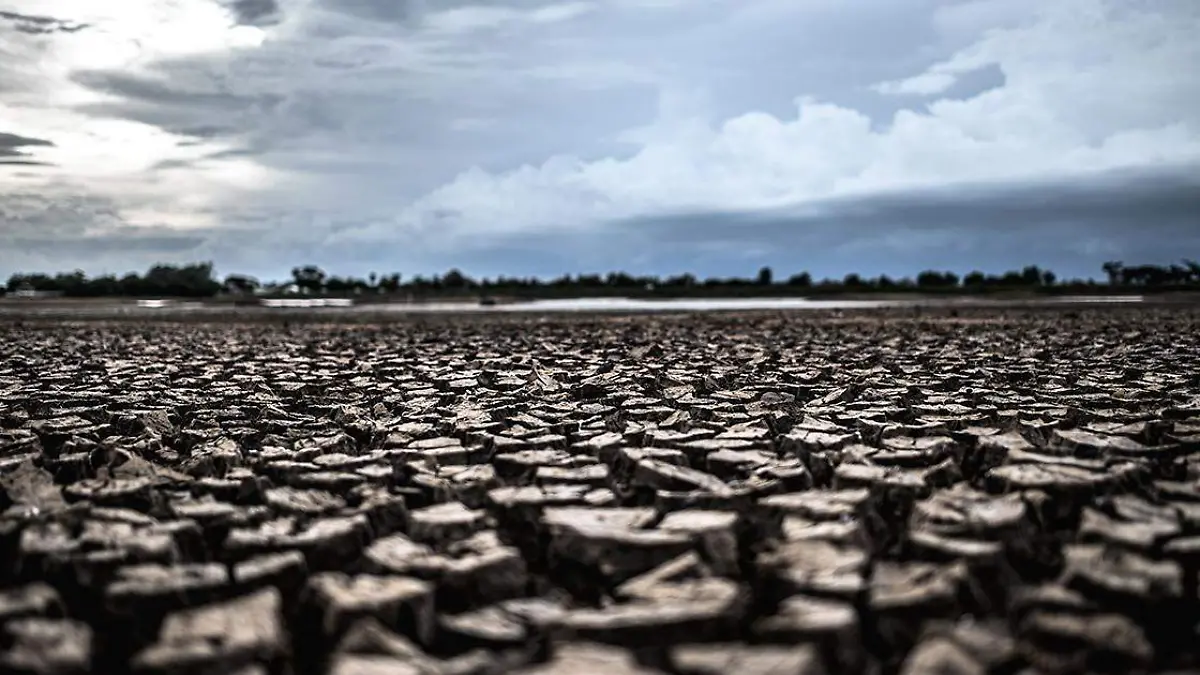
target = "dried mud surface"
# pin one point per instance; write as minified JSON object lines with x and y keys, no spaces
{"x":1007,"y":492}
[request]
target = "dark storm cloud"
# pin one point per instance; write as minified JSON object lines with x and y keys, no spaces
{"x":176,"y":108}
{"x":12,"y":154}
{"x":155,"y":91}
{"x":39,"y":25}
{"x":1120,"y":202}
{"x":1069,"y":226}
{"x":46,"y":231}
{"x":171,"y":245}
{"x":255,"y":12}
{"x":11,"y":144}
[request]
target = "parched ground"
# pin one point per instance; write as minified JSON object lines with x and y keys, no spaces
{"x":786,"y":494}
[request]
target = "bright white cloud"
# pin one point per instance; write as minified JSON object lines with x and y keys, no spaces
{"x":113,"y":156}
{"x":133,"y":33}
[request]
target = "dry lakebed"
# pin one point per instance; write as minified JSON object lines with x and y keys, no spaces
{"x":787,"y":493}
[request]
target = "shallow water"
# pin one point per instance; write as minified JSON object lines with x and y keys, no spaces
{"x":636,"y":305}
{"x":599,"y":305}
{"x":716,"y":304}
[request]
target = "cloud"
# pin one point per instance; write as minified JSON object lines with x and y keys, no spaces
{"x":12,"y":154}
{"x":1107,"y":202}
{"x":39,"y":25}
{"x":528,"y":133}
{"x":924,"y":84}
{"x":10,"y":144}
{"x":201,"y":108}
{"x":1076,"y":100}
{"x":1070,"y":225}
{"x":255,"y":12}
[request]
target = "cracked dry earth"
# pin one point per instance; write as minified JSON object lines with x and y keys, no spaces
{"x":783,"y":494}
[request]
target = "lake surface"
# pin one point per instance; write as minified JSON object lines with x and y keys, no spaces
{"x":735,"y":304}
{"x":150,"y":309}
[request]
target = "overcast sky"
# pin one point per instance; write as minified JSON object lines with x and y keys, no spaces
{"x":541,"y":136}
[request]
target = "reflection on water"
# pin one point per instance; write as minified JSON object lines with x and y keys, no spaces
{"x":720,"y":304}
{"x":343,"y":307}
{"x":635,"y":305}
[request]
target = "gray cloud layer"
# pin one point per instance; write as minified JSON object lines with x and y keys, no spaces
{"x":545,"y":136}
{"x":255,"y":12}
{"x":1068,"y":226}
{"x":13,"y":153}
{"x":38,"y":25}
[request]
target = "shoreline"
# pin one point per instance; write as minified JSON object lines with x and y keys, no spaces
{"x":988,"y":299}
{"x":937,"y":309}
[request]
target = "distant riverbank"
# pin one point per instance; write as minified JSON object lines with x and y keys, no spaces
{"x":65,"y":309}
{"x":381,"y":301}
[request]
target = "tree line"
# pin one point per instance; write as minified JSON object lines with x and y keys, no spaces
{"x":198,"y":280}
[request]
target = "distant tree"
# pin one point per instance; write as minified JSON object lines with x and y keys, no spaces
{"x":1010,"y":278}
{"x":933,"y":279}
{"x":339,"y":285}
{"x":240,"y":283}
{"x":1150,"y":276}
{"x":192,"y":280}
{"x":132,"y":285}
{"x":72,"y":283}
{"x":975,"y":280}
{"x":1032,"y":275}
{"x":680,"y":281}
{"x":802,"y":280}
{"x":196,"y":280}
{"x":309,"y":278}
{"x":103,"y":287}
{"x":455,"y":280}
{"x":620,"y":280}
{"x":1193,"y":270}
{"x":389,"y":283}
{"x":1114,"y":269}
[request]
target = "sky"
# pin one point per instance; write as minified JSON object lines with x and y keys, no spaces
{"x":537,"y":137}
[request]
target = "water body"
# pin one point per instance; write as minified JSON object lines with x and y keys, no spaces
{"x":635,"y":305}
{"x":723,"y":304}
{"x":150,"y":309}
